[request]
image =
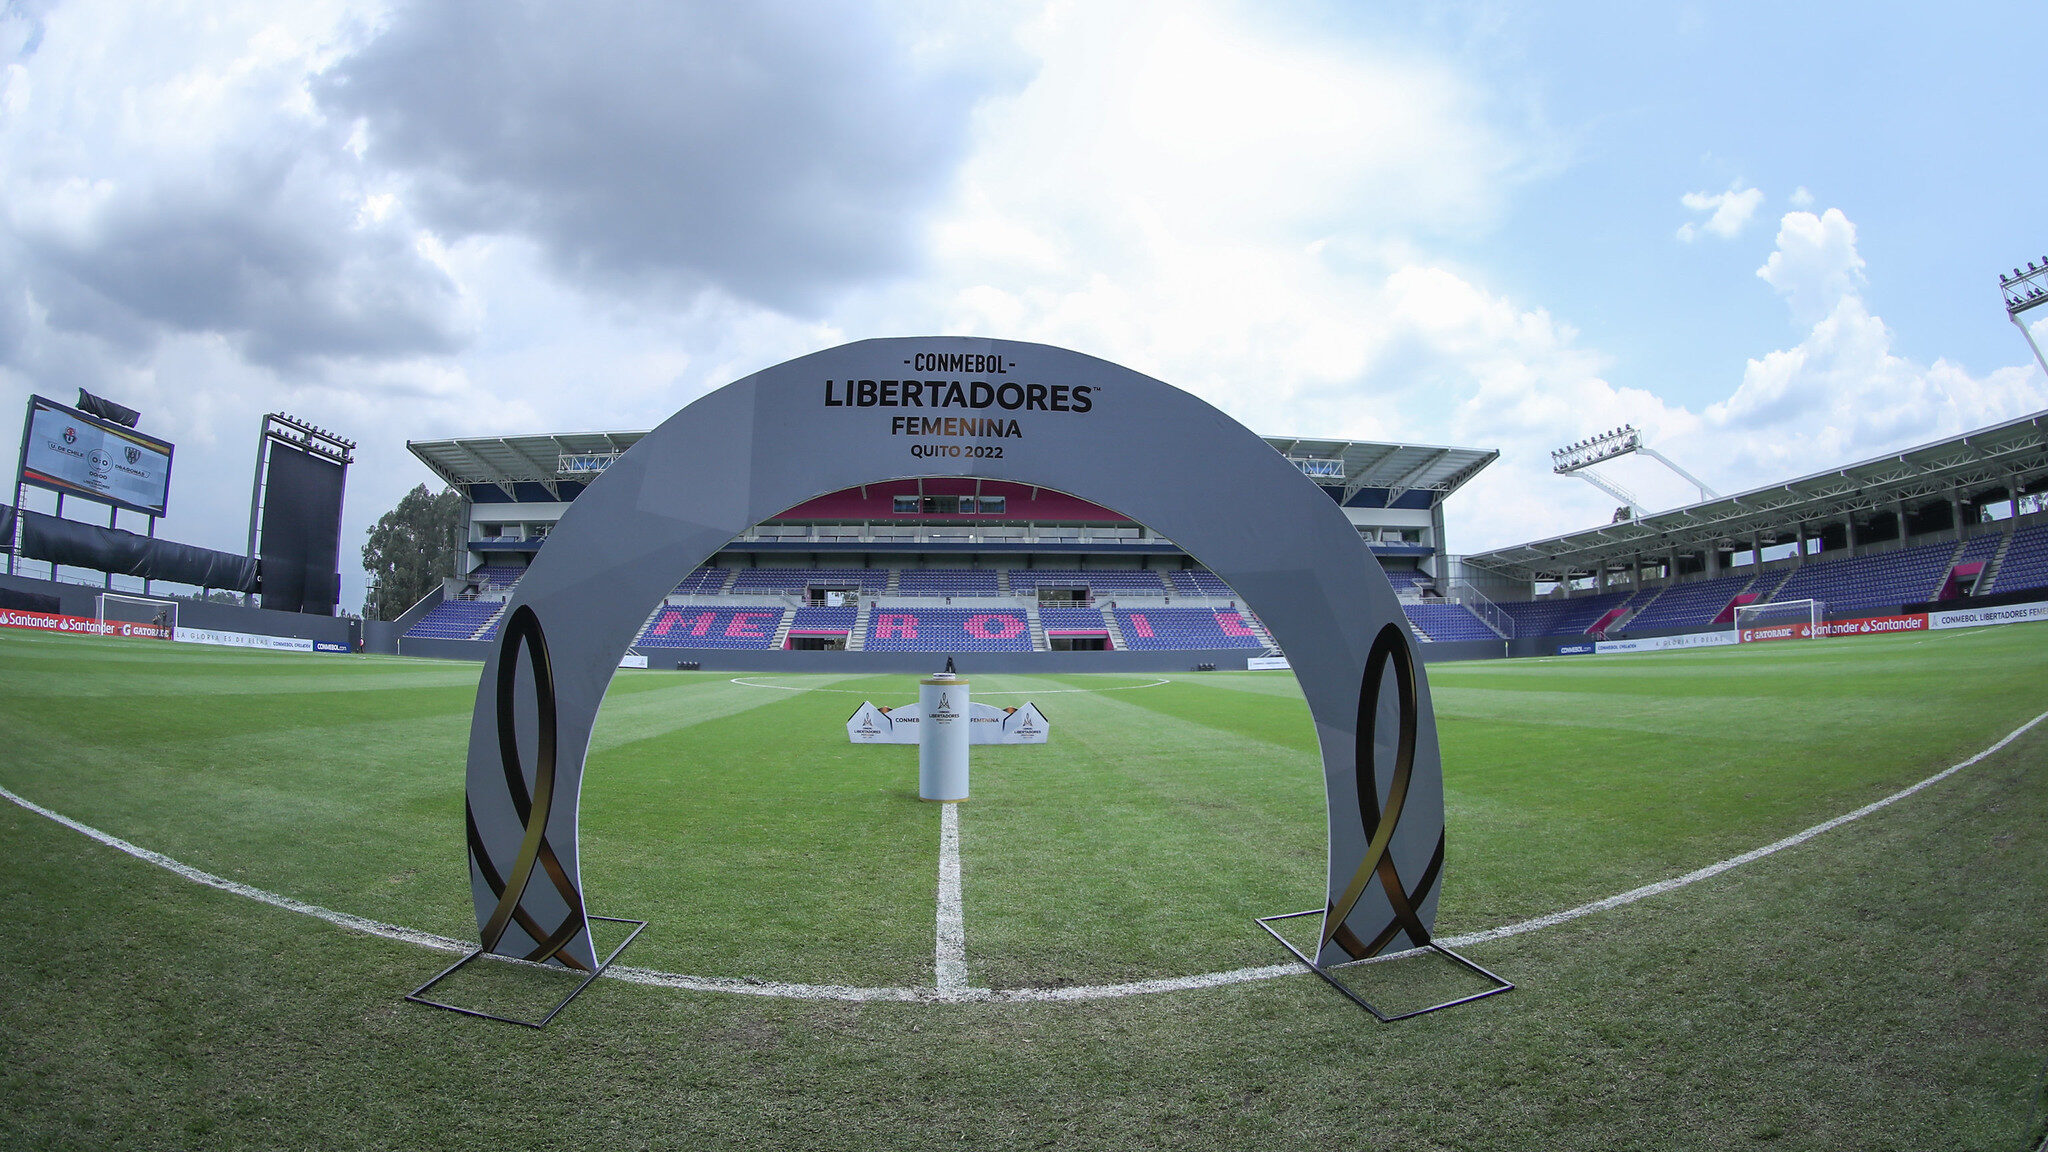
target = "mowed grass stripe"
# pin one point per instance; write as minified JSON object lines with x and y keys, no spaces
{"x":764,"y":844}
{"x":1570,"y":780}
{"x":1142,"y":846}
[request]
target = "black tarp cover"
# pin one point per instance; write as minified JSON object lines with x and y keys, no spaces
{"x":128,"y":554}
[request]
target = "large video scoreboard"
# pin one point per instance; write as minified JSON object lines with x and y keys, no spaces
{"x":67,"y":451}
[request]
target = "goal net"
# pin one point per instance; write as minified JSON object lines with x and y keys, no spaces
{"x":120,"y":615}
{"x":1781,"y":620}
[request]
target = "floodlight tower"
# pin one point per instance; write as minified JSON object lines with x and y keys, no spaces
{"x":2024,"y":290}
{"x":1577,"y":459}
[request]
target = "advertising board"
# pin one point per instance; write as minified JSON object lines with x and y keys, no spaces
{"x":53,"y":622}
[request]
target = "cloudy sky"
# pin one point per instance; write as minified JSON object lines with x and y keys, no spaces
{"x":1766,"y":234}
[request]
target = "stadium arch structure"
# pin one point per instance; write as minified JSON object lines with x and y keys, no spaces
{"x":1104,"y":432}
{"x":1961,"y":520}
{"x":831,"y":583}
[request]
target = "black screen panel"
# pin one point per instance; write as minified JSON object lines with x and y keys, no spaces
{"x":301,"y":542}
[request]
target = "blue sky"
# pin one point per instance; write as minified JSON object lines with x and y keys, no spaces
{"x":1768,"y":235}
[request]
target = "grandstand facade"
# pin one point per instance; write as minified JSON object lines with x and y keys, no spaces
{"x":938,"y":566}
{"x":950,"y":566}
{"x":1942,"y":525}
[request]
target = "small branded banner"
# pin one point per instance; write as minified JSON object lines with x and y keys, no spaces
{"x":1666,"y":643}
{"x":873,"y":724}
{"x":632,"y":660}
{"x":1266,"y":663}
{"x":51,"y":622}
{"x":242,"y":640}
{"x":1979,"y":617}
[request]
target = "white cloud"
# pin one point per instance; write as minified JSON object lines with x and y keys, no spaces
{"x":1801,"y":198}
{"x":1729,"y":212}
{"x":1815,"y":265}
{"x":1842,"y":393}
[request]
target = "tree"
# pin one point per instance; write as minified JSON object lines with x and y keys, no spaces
{"x":411,"y":548}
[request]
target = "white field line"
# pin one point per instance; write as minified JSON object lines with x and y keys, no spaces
{"x":746,"y":683}
{"x":951,"y":954}
{"x":1712,"y":870}
{"x":750,"y":987}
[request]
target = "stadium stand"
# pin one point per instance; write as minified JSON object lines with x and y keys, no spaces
{"x":1200,"y":582}
{"x":1404,"y":579}
{"x":704,"y":582}
{"x":948,"y":582}
{"x":700,"y":626}
{"x":1981,"y":548}
{"x":1563,"y":617}
{"x":455,"y":620}
{"x":1888,"y":579}
{"x":793,"y":581}
{"x":1691,"y":605}
{"x":813,"y":620}
{"x":1109,"y":581}
{"x":497,"y":575}
{"x":948,"y":630}
{"x":2026,"y":561}
{"x":1161,"y":629}
{"x":1073,"y":621}
{"x":1444,"y":622}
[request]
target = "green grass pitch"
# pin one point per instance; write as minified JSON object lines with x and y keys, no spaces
{"x":1884,"y":985}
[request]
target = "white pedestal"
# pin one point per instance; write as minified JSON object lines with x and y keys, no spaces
{"x":942,"y":738}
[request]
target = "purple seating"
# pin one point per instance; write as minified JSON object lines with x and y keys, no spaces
{"x":1107,"y":582}
{"x":1404,"y":578}
{"x":1691,"y":605}
{"x":1200,"y":582}
{"x":1981,"y":548}
{"x":1885,"y":580}
{"x":455,"y":619}
{"x":1073,"y":621}
{"x":1171,"y":629}
{"x":2026,"y":561}
{"x":696,"y":626}
{"x":704,"y":582}
{"x":815,"y":621}
{"x":1444,"y":622}
{"x":793,"y":581}
{"x":947,"y":582}
{"x":1566,"y":617}
{"x":497,"y":575}
{"x":948,"y":630}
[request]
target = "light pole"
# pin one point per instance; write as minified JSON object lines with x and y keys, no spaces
{"x":2024,"y":290}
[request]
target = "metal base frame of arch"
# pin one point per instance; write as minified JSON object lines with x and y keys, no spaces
{"x":418,"y":996}
{"x":1502,"y":984}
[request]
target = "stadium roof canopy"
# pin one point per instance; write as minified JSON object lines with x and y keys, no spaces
{"x":577,"y":457}
{"x":546,"y":460}
{"x":1999,"y":459}
{"x":1354,"y":465}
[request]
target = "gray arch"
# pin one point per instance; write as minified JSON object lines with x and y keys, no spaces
{"x":836,"y":419}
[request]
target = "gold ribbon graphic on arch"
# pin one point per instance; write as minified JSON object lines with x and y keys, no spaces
{"x":524,"y":631}
{"x":1390,"y":647}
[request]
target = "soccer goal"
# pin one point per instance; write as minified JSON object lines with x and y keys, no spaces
{"x":121,"y":615}
{"x":1781,"y":620}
